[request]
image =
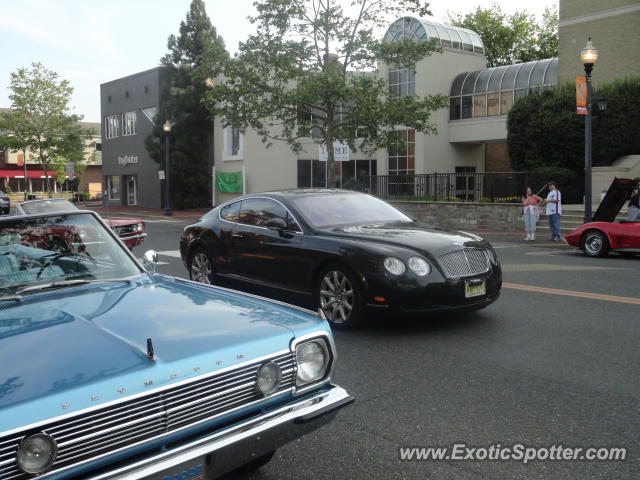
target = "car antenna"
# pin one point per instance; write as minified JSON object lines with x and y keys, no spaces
{"x":149,"y":349}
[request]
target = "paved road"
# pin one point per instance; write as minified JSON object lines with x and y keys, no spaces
{"x":547,"y":364}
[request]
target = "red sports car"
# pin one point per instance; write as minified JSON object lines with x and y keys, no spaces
{"x":602,"y":235}
{"x":130,"y":230}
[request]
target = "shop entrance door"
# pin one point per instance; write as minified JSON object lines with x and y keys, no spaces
{"x":132,"y":193}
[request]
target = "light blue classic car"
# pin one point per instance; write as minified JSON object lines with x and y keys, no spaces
{"x":110,"y":371}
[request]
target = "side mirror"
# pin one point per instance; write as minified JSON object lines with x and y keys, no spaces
{"x":150,"y":260}
{"x":275,"y":224}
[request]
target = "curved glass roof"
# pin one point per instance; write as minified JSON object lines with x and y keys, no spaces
{"x":447,"y":36}
{"x":497,"y":79}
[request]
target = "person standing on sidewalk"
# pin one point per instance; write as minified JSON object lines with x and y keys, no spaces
{"x":530,"y":214}
{"x":634,"y":205}
{"x":554,"y":210}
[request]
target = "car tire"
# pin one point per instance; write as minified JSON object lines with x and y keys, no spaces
{"x":594,"y":243}
{"x":201,"y":266}
{"x":339,"y":296}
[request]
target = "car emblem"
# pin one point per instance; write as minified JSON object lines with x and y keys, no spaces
{"x":149,"y":383}
{"x":66,"y":405}
{"x":196,"y":369}
{"x":239,"y":357}
{"x":173,"y":375}
{"x":219,"y":362}
{"x":95,"y":399}
{"x":121,"y":390}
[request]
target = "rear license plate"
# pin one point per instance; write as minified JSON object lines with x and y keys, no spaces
{"x":475,"y":288}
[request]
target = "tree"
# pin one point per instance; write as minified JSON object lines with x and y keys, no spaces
{"x":194,"y":58}
{"x":296,"y":78}
{"x":551,"y":115}
{"x":40,"y":121}
{"x":513,"y":38}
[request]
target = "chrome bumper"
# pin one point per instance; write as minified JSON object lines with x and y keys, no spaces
{"x":234,"y":446}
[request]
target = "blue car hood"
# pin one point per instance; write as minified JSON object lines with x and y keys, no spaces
{"x":71,"y":338}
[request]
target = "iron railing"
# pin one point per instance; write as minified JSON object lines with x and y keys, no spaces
{"x":495,"y":187}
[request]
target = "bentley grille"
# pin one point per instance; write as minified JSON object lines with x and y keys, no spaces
{"x":105,"y":430}
{"x":464,"y":263}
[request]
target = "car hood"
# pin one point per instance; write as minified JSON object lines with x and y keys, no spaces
{"x":415,"y":235}
{"x":117,"y":221}
{"x":619,"y":192}
{"x":53,"y":342}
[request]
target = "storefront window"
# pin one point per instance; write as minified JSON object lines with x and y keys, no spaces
{"x":480,"y":105}
{"x":113,"y":184}
{"x":493,"y":104}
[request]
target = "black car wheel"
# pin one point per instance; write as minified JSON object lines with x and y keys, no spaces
{"x":595,"y":244}
{"x":338,"y":295}
{"x":201,"y":266}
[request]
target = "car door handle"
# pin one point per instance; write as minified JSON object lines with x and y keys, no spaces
{"x":236,"y":235}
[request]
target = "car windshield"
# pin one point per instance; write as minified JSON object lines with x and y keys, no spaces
{"x":326,"y":210}
{"x":46,"y":206}
{"x":57,"y":249}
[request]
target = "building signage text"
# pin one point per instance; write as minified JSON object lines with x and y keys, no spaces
{"x":127,"y":159}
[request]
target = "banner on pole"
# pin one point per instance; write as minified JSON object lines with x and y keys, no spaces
{"x":340,"y":152}
{"x":581,"y":95}
{"x":230,"y":182}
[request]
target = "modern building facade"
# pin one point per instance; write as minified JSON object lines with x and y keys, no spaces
{"x":129,"y":106}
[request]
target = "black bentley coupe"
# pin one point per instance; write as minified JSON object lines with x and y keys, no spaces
{"x":344,"y":251}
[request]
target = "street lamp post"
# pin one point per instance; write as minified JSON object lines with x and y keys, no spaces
{"x":588,"y":56}
{"x":167,"y":202}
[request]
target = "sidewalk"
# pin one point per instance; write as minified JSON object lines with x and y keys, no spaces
{"x":136,"y":211}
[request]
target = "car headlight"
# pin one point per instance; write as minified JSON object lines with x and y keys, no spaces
{"x":419,"y":266}
{"x":140,"y":227}
{"x":312,"y":359}
{"x":268,"y":378}
{"x":394,"y":265}
{"x":36,"y":453}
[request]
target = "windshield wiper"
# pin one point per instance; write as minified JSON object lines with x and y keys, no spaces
{"x":46,"y":286}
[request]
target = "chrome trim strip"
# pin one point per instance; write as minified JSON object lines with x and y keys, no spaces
{"x":142,"y":394}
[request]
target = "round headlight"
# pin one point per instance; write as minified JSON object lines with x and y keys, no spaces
{"x":36,"y":453}
{"x":312,"y":360}
{"x":394,"y":265}
{"x":419,"y":266}
{"x":268,"y":379}
{"x":140,"y":227}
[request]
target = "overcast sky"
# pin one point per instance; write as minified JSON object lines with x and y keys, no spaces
{"x":89,"y":42}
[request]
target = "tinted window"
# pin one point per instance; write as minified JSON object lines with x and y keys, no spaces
{"x":256,"y":211}
{"x":347,"y":209}
{"x":231,"y":212}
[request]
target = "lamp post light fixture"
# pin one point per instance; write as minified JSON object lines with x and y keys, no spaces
{"x":588,"y":56}
{"x":166,"y":128}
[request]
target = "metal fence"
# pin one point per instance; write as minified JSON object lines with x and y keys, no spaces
{"x":469,"y":187}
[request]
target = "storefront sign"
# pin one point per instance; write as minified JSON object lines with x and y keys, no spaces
{"x":340,"y":152}
{"x":581,"y":95}
{"x":127,"y":159}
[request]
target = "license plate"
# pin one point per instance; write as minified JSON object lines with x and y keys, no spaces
{"x":475,"y":288}
{"x":193,"y":470}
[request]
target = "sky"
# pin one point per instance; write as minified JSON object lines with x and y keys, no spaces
{"x":90,"y":42}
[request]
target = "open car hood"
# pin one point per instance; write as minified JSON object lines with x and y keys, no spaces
{"x":618,"y":193}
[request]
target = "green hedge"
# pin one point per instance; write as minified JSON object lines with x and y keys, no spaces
{"x":544,"y":130}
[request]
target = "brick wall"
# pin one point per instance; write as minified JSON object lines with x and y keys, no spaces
{"x":497,"y":158}
{"x":465,"y":215}
{"x":92,"y":174}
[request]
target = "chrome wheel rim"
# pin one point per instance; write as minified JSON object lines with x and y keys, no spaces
{"x":201,"y":268}
{"x":593,"y":244}
{"x":336,"y":297}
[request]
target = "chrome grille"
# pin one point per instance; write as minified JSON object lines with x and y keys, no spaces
{"x":105,"y":430}
{"x":125,"y":229}
{"x":464,"y":263}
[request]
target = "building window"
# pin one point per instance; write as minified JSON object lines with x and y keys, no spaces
{"x":113,"y":187}
{"x":111,"y":126}
{"x":233,"y":144}
{"x":402,"y":81}
{"x":350,"y":175}
{"x":129,"y":123}
{"x":402,"y":161}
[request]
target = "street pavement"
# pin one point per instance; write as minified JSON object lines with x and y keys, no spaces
{"x":553,"y":362}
